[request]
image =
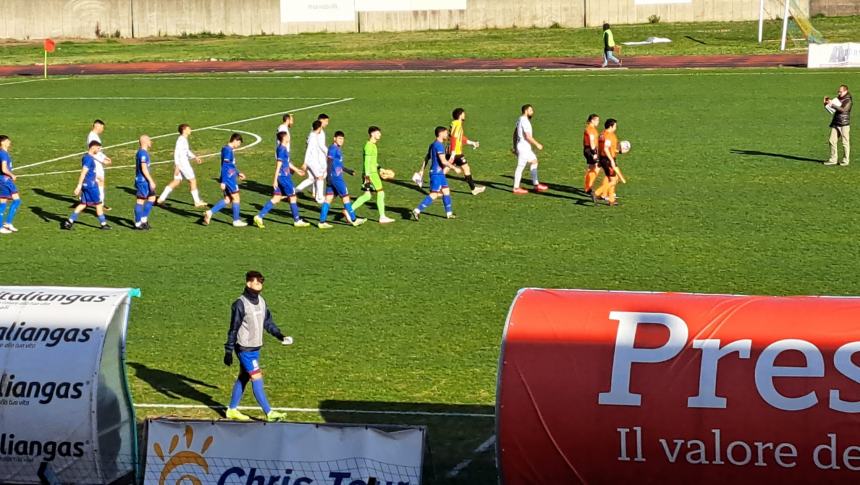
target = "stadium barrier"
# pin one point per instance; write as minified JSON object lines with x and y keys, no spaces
{"x":229,"y":452}
{"x":623,"y":387}
{"x":834,"y":55}
{"x":65,"y":409}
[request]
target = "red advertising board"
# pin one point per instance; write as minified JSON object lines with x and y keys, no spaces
{"x":621,"y":387}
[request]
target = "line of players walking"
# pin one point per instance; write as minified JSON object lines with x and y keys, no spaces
{"x":323,"y":169}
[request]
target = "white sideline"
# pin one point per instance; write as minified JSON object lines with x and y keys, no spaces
{"x":157,"y":98}
{"x":257,"y":141}
{"x":255,"y":118}
{"x":20,"y":82}
{"x":318,"y":410}
{"x":468,"y":461}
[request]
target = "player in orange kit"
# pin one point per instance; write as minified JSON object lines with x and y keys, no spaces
{"x":607,"y":154}
{"x":589,"y":151}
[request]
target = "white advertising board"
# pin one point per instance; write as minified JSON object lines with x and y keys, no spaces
{"x":64,"y":402}
{"x":834,"y":55}
{"x":293,"y":11}
{"x":234,"y":453}
{"x":408,"y":5}
{"x":296,"y":11}
{"x":660,"y":2}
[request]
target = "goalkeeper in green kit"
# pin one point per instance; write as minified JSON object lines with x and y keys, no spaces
{"x":373,"y":176}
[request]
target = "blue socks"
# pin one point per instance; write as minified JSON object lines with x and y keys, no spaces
{"x":348,"y":207}
{"x":147,"y":208}
{"x":266,"y":209}
{"x":13,"y":209}
{"x":73,"y":217}
{"x":236,"y":396}
{"x":218,"y":206}
{"x":260,"y":395}
{"x":102,"y":219}
{"x":446,"y":199}
{"x":236,"y":207}
{"x":3,"y":213}
{"x":138,"y":213}
{"x":425,"y":203}
{"x":294,"y":208}
{"x":324,"y":212}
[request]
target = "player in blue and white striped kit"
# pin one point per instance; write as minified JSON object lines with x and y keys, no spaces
{"x":88,"y":190}
{"x":8,"y":189}
{"x":249,"y":318}
{"x":283,"y":183}
{"x":337,"y":185}
{"x":230,"y":177}
{"x":439,"y":163}
{"x":144,"y":185}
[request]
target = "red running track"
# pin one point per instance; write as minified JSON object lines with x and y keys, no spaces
{"x":641,"y":62}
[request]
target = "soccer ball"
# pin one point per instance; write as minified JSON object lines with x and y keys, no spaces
{"x":625,"y":146}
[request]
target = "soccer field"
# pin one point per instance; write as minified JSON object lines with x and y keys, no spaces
{"x":724,"y":196}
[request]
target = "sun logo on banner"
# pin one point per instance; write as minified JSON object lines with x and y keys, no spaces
{"x":172,"y":460}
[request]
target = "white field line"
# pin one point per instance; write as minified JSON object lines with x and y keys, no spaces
{"x":257,"y":141}
{"x":468,"y":461}
{"x":255,"y":118}
{"x":20,"y":82}
{"x":159,"y":98}
{"x":318,"y":410}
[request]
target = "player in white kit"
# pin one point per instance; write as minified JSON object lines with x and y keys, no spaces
{"x":523,"y":141}
{"x":182,"y":169}
{"x":316,"y":159}
{"x":285,"y":127}
{"x":100,"y":157}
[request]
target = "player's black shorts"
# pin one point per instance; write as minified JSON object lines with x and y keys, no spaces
{"x":588,"y":153}
{"x":459,"y":160}
{"x":606,"y":165}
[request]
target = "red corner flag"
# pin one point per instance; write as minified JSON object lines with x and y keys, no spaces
{"x":50,"y":45}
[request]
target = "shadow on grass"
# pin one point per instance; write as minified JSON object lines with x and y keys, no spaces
{"x":67,"y":199}
{"x":757,"y":153}
{"x":454,"y":433}
{"x":170,"y":206}
{"x":176,"y":386}
{"x":46,"y":216}
{"x":73,"y":202}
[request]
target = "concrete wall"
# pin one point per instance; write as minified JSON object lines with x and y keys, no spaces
{"x":35,"y":19}
{"x":481,"y":14}
{"x":835,"y":7}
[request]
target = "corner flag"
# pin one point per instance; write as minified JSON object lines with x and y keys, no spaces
{"x":49,"y":46}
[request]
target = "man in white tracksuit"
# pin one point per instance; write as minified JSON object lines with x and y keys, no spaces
{"x":316,"y":159}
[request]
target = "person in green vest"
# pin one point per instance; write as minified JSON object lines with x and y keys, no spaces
{"x":609,"y":47}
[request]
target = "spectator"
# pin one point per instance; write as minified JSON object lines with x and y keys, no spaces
{"x":840,"y":127}
{"x":609,"y":47}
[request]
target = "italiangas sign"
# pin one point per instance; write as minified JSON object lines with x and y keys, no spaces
{"x":65,"y":410}
{"x":608,"y":387}
{"x":834,"y":55}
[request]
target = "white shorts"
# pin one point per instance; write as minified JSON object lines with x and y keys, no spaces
{"x":185,"y":170}
{"x":525,"y":154}
{"x":100,"y":170}
{"x":317,"y":169}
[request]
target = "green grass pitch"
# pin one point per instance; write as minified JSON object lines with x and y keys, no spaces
{"x":724,"y":196}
